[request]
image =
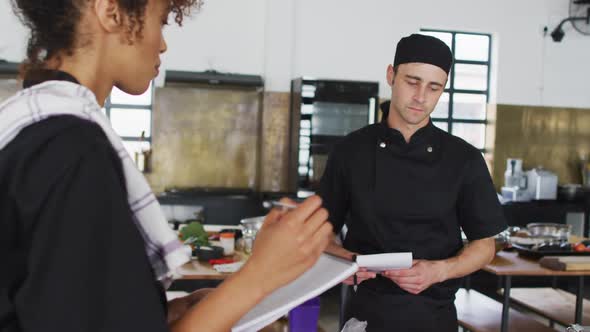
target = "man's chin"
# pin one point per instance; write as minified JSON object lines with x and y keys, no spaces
{"x":416,"y":121}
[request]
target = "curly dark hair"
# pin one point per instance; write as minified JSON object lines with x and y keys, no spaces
{"x":53,"y":24}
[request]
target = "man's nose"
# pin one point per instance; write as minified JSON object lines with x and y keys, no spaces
{"x":420,"y":95}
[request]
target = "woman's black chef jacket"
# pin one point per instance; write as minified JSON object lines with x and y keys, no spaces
{"x":72,"y":257}
{"x":395,"y":196}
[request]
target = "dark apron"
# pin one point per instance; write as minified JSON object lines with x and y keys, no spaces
{"x":400,"y":313}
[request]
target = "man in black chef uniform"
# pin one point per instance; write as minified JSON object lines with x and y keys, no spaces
{"x":403,"y":185}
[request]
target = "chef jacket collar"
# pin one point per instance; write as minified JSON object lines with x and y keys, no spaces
{"x":41,"y":75}
{"x":394,"y":136}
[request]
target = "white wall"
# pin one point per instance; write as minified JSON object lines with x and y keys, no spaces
{"x":342,"y":39}
{"x":12,"y":34}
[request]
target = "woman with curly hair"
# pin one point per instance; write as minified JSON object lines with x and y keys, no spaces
{"x":84,"y":245}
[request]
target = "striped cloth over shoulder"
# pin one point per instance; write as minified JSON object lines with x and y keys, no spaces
{"x":54,"y":98}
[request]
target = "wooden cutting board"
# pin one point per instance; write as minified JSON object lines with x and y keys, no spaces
{"x":566,"y":263}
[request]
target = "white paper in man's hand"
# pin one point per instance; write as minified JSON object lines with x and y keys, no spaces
{"x":385,"y":262}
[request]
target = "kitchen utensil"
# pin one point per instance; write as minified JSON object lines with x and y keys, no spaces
{"x":205,"y":253}
{"x":551,"y":245}
{"x":573,"y":263}
{"x":558,"y":231}
{"x":570,"y":191}
{"x":251,"y":228}
{"x":528,"y":251}
{"x":529,"y":240}
{"x":228,"y":243}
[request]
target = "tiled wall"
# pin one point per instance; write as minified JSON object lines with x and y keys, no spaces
{"x":222,"y":138}
{"x":275,"y":142}
{"x":555,"y":138}
{"x":204,"y":137}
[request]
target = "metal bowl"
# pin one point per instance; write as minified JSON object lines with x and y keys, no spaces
{"x":557,"y":231}
{"x":252,"y":224}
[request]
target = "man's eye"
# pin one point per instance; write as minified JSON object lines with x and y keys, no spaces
{"x":412,"y":82}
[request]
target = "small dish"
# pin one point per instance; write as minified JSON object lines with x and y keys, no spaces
{"x":205,"y":253}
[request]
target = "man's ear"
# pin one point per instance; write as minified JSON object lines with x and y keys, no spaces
{"x":109,"y":14}
{"x":391,"y":72}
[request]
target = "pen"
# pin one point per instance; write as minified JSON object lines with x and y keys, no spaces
{"x":271,"y":204}
{"x":354,"y":280}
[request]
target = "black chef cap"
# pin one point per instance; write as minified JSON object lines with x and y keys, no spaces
{"x":424,"y":49}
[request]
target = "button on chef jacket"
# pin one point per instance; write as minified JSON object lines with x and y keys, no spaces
{"x":414,"y":197}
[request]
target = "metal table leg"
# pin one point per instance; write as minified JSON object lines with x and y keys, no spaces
{"x":579,"y":300}
{"x":506,"y":304}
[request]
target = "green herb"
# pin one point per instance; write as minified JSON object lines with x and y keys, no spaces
{"x":196,"y":231}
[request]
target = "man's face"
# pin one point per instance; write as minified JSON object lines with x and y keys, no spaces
{"x":415,"y":90}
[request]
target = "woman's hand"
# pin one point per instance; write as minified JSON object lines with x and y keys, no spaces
{"x":177,"y":307}
{"x":289,"y":243}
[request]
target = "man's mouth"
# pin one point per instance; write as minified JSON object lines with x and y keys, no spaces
{"x":416,"y":109}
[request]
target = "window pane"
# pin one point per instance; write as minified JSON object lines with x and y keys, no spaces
{"x":472,"y":47}
{"x":442,"y":108}
{"x":120,"y":97}
{"x":308,"y":91}
{"x":307,"y":109}
{"x":442,"y":125}
{"x":444,"y":36}
{"x":133,"y":147}
{"x":469,"y":106}
{"x":473,"y":133}
{"x":303,"y":157}
{"x":471,"y":77}
{"x":303,"y":170}
{"x":131,"y":122}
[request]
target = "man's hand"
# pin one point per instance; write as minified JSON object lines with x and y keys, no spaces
{"x":361,"y":275}
{"x":419,"y":277}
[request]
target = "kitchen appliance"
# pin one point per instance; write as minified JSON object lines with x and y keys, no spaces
{"x":542,"y":184}
{"x":322,"y":113}
{"x":515,"y":182}
{"x":514,"y":176}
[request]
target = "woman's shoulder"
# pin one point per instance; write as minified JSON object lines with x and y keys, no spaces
{"x":50,"y":148}
{"x":67,"y":132}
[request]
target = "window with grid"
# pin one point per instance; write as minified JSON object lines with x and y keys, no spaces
{"x":461,"y":109}
{"x":131,"y":117}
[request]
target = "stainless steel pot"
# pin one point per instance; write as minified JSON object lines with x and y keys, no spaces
{"x":557,"y":231}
